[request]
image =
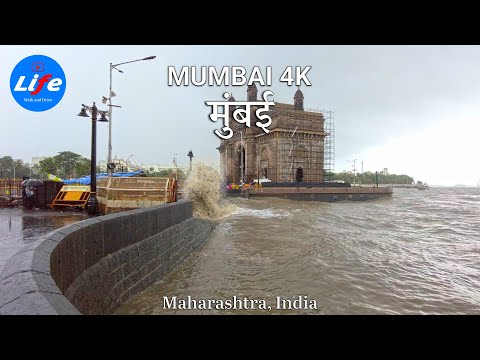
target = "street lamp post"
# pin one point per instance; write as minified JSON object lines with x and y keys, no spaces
{"x":258,"y":171}
{"x":227,"y":170}
{"x":175,"y":164}
{"x":190,"y":155}
{"x":241,"y":156}
{"x":354,"y":171}
{"x":92,"y":203}
{"x":110,"y":95}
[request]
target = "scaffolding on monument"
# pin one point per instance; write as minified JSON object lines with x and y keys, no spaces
{"x":299,"y":147}
{"x":329,"y":145}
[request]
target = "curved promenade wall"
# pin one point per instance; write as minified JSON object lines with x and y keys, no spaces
{"x":94,"y":266}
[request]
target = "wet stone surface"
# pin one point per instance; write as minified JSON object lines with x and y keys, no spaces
{"x":19,"y":227}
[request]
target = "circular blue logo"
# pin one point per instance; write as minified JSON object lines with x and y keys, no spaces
{"x":38,"y":83}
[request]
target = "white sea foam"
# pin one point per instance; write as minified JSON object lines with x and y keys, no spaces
{"x":261,"y":213}
{"x":203,"y":187}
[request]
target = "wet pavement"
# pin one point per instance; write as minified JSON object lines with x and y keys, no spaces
{"x":18,"y":227}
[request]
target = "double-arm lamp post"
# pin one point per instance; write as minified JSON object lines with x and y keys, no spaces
{"x":111,"y":94}
{"x":92,"y":204}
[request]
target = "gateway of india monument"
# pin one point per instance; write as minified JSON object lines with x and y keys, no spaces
{"x":293,"y":150}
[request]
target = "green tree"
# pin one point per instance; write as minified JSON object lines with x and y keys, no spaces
{"x":48,"y":166}
{"x":370,"y":178}
{"x":10,"y":168}
{"x":66,"y":164}
{"x":21,"y":170}
{"x":6,"y":166}
{"x":181,"y":175}
{"x":83,"y":167}
{"x":36,"y":171}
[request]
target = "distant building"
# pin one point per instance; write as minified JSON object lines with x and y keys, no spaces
{"x":102,"y":164}
{"x":159,"y":168}
{"x":36,"y":160}
{"x":293,"y":150}
{"x":385,"y":171}
{"x":127,"y":165}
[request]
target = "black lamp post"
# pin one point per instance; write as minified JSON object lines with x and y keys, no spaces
{"x":190,"y":155}
{"x":92,"y":204}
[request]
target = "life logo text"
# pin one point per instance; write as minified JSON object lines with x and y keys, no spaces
{"x":38,"y":83}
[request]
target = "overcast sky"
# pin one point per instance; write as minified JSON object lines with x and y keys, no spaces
{"x":412,"y":109}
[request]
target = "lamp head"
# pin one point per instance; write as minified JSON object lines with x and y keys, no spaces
{"x":102,"y":117}
{"x":150,"y":58}
{"x":83,"y":112}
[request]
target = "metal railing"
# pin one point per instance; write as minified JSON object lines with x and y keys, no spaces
{"x":11,"y":188}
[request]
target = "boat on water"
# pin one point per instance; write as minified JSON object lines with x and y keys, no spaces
{"x":423,"y":186}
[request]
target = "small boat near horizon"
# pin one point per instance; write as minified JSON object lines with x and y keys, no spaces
{"x":423,"y":186}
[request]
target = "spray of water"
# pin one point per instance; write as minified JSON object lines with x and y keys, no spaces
{"x":203,"y":188}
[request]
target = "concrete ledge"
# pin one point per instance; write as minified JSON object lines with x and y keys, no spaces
{"x":27,"y":287}
{"x":94,"y":266}
{"x":327,"y":197}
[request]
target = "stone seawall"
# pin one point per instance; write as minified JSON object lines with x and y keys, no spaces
{"x":305,"y":193}
{"x":94,"y":266}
